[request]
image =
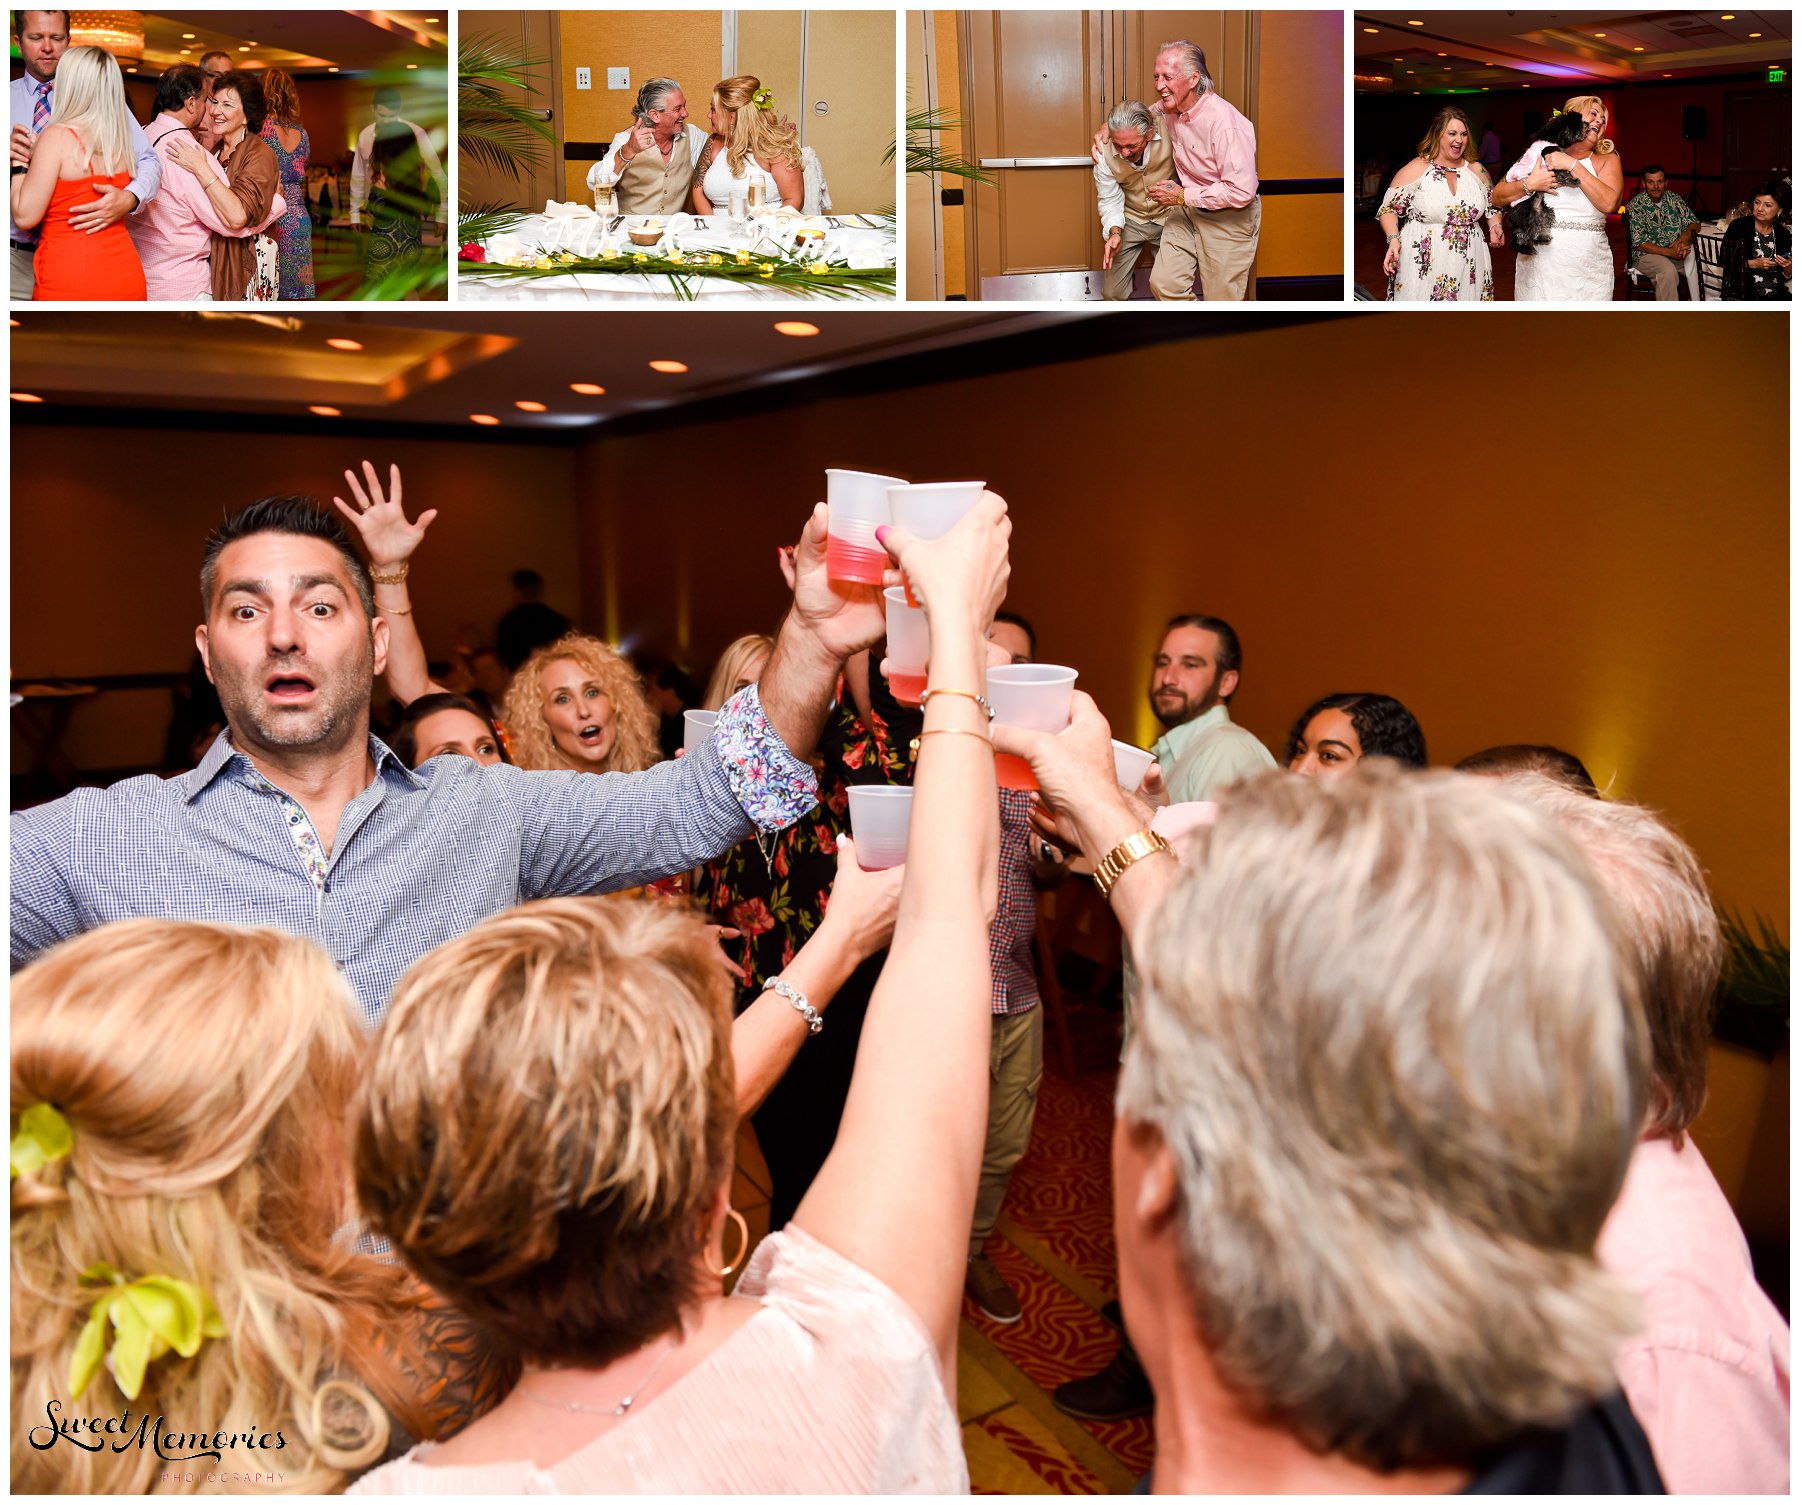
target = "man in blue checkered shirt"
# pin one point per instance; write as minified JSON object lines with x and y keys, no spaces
{"x":298,"y":818}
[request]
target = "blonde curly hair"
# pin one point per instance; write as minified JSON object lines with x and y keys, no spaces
{"x":634,"y":726}
{"x":206,"y":1072}
{"x":754,"y":132}
{"x":1580,"y":102}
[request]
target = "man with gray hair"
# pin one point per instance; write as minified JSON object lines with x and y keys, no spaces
{"x":1136,"y":156}
{"x":652,"y":161}
{"x":1214,"y":229}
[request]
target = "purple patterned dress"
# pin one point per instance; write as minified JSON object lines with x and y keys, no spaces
{"x":293,"y":232}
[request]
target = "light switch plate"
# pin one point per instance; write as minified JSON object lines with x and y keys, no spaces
{"x":583,"y":81}
{"x":619,"y":78}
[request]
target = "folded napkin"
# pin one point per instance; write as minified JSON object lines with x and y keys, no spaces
{"x":568,"y":225}
{"x":510,"y":249}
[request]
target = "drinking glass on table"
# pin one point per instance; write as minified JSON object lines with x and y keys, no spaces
{"x":908,"y":642}
{"x":735,"y":205}
{"x":754,"y":194}
{"x":856,"y":506}
{"x":603,"y":195}
{"x":931,"y":510}
{"x":1034,"y":696}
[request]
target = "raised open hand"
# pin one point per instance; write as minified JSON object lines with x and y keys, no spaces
{"x":382,"y":522}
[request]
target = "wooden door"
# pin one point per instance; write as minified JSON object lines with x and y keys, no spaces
{"x":846,"y":107}
{"x":1034,"y":96}
{"x":1229,"y":39}
{"x":1755,"y":141}
{"x":533,"y":34}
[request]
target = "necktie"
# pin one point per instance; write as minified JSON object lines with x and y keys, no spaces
{"x":40,"y":107}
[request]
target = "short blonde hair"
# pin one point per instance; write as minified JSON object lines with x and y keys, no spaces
{"x":1579,"y":102}
{"x":634,"y":727}
{"x":1662,"y":899}
{"x":1390,"y":1036}
{"x":753,"y":132}
{"x":206,"y":1072}
{"x":740,"y":654}
{"x":548,"y":1119}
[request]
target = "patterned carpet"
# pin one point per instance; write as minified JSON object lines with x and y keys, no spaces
{"x":1055,"y":1246}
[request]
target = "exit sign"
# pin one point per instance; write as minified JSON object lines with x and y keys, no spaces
{"x":1776,"y":75}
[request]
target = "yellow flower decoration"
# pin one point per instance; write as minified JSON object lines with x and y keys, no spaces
{"x":716,"y":260}
{"x":44,"y":1135}
{"x":816,"y":267}
{"x":543,"y":263}
{"x":767,"y":269}
{"x":744,"y":258}
{"x":639,"y":259}
{"x":149,"y":1317}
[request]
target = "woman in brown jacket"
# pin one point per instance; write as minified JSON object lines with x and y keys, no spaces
{"x":236,"y":113}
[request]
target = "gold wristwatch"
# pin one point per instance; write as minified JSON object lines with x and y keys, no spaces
{"x":1139,"y":844}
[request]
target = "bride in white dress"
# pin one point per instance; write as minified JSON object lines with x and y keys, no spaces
{"x":1578,"y":265}
{"x":749,"y":144}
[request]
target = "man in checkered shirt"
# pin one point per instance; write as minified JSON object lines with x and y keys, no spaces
{"x":298,"y":818}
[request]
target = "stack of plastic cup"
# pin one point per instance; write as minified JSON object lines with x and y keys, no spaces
{"x":908,"y":642}
{"x":932,"y":509}
{"x":697,"y":727}
{"x":1130,"y":764}
{"x":1036,"y":697}
{"x":879,"y":817}
{"x":857,"y":505}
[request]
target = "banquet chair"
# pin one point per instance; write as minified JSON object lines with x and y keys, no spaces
{"x":1707,"y":250}
{"x":815,"y":197}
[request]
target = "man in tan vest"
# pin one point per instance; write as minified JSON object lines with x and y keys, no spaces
{"x":652,"y":162}
{"x":1135,"y":156}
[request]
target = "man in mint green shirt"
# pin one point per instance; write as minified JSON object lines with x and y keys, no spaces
{"x":1193,"y":677}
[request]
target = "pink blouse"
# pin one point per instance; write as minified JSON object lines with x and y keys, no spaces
{"x":833,"y":1388}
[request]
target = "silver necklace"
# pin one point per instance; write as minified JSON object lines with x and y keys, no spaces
{"x":618,"y":1410}
{"x":769,"y":852}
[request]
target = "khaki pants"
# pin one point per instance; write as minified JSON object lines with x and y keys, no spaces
{"x":24,"y":275}
{"x":1117,"y":280}
{"x":1016,"y":1061}
{"x":1663,"y":272}
{"x":1220,"y":244}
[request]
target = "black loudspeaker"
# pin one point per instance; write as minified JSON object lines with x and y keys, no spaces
{"x":1695,"y":122}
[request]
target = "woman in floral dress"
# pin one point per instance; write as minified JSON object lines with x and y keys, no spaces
{"x":1434,"y":216}
{"x":287,"y":138}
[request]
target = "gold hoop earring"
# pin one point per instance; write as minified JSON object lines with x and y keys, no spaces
{"x":744,"y":1241}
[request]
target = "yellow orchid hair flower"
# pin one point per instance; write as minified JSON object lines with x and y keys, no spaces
{"x":43,"y":1135}
{"x":149,"y":1317}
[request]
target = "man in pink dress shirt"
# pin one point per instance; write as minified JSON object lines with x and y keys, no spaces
{"x":174,"y":231}
{"x":1708,"y":1376}
{"x":1214,"y":230}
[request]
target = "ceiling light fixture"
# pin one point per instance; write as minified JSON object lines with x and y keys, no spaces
{"x":587,"y":389}
{"x":668,"y":368}
{"x":1371,"y":30}
{"x":244,"y":49}
{"x":487,"y":420}
{"x":1417,"y":23}
{"x":531,"y":407}
{"x":26,"y":397}
{"x":412,"y":67}
{"x":331,"y":70}
{"x":187,"y":36}
{"x":1639,"y":49}
{"x":1601,"y":33}
{"x":796,"y":327}
{"x":325,"y":412}
{"x":186,"y":50}
{"x":1755,"y":33}
{"x":340,"y":343}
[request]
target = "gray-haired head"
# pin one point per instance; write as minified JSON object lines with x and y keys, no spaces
{"x":1194,"y":62}
{"x":1130,"y":115}
{"x":651,"y":94}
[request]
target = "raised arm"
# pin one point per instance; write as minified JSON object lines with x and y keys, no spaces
{"x":859,"y":920}
{"x":897,"y":1193}
{"x":224,"y":213}
{"x":391,"y":540}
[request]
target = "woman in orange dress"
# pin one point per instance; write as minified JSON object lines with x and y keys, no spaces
{"x":85,"y":145}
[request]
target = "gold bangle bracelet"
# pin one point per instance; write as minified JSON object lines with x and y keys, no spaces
{"x":395,"y":579}
{"x":926,"y":699}
{"x":948,"y":731}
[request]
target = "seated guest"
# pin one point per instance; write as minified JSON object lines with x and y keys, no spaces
{"x":174,"y":231}
{"x":1660,"y":230}
{"x":434,"y":725}
{"x":652,"y":162}
{"x":1136,"y":155}
{"x":750,"y":145}
{"x":1352,"y":1060}
{"x":1337,"y":732}
{"x":582,"y":1221}
{"x":198,"y":1160}
{"x":89,"y":146}
{"x":1755,"y":252}
{"x":1708,"y":1378}
{"x":1531,"y":757}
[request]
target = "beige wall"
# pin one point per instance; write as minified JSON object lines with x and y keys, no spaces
{"x":1301,"y":130}
{"x":851,"y":70}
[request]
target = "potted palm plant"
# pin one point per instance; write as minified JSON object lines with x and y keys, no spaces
{"x":496,"y":129}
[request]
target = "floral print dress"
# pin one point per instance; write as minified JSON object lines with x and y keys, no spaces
{"x":293,"y":232}
{"x":1444,"y":242}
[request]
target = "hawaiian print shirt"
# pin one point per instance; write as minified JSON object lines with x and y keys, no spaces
{"x":1656,"y":224}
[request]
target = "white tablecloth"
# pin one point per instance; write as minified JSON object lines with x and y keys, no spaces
{"x":868,"y":244}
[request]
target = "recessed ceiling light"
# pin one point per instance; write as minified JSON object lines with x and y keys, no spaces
{"x":1438,"y":54}
{"x":244,"y":49}
{"x":187,"y":36}
{"x":340,"y":343}
{"x":1667,"y":75}
{"x":1639,"y":49}
{"x":531,"y":407}
{"x":26,"y":397}
{"x":796,"y":327}
{"x":431,"y":20}
{"x":1755,"y":33}
{"x":669,"y":368}
{"x":1726,"y":18}
{"x":15,"y":323}
{"x":412,"y":67}
{"x":186,"y":50}
{"x":1601,"y":33}
{"x":587,"y":389}
{"x":1401,"y":60}
{"x":325,"y":412}
{"x":487,"y":420}
{"x":331,"y":70}
{"x":1371,"y":29}
{"x":1417,"y":23}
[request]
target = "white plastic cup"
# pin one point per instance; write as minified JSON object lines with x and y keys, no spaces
{"x":931,"y":510}
{"x":856,"y":506}
{"x":909,"y":640}
{"x":1034,"y":696}
{"x":1130,"y":764}
{"x":697,"y":727}
{"x":879,"y":817}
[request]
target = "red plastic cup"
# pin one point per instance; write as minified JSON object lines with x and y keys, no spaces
{"x":908,"y":642}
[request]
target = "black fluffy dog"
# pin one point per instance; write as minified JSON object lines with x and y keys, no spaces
{"x":1530,"y":219}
